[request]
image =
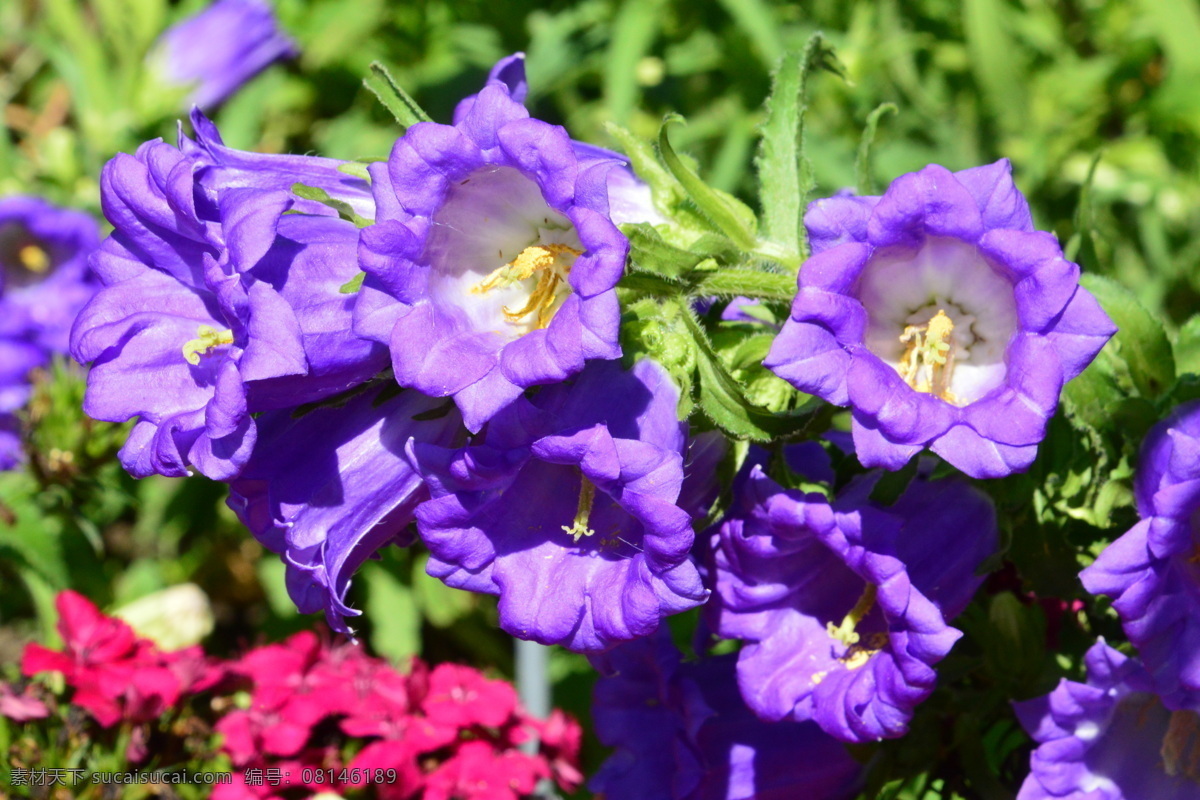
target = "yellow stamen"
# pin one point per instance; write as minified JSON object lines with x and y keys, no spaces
{"x":845,"y":632}
{"x":551,"y":263}
{"x":930,"y":346}
{"x":1181,"y":746}
{"x":587,"y":495}
{"x":34,"y":258}
{"x":207,"y":337}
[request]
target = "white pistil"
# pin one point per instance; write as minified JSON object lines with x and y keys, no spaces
{"x":207,"y":337}
{"x":928,"y":363}
{"x":587,"y":495}
{"x":551,"y":264}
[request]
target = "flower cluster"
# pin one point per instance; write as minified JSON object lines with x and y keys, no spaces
{"x":117,"y":677}
{"x":44,"y":281}
{"x":308,"y":709}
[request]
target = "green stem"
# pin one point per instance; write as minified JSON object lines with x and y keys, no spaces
{"x":748,"y":283}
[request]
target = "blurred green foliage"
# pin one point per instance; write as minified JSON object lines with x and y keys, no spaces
{"x":1071,"y":91}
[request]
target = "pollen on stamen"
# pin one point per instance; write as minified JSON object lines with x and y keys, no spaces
{"x":845,"y":633}
{"x":207,"y":338}
{"x":928,"y":362}
{"x":551,"y":263}
{"x":34,"y":258}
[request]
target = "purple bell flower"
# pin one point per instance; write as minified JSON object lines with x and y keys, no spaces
{"x":492,"y":264}
{"x":44,"y":281}
{"x":1151,"y":571}
{"x":217,"y":50}
{"x":843,"y":608}
{"x":216,"y":305}
{"x":329,"y":488}
{"x":942,"y":318}
{"x":1110,"y":738}
{"x":682,"y":732}
{"x":566,"y":507}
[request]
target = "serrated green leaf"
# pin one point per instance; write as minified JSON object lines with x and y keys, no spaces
{"x":1141,"y":342}
{"x":406,"y":110}
{"x":862,"y":164}
{"x":648,"y":252}
{"x":353,"y":285}
{"x":344,"y":209}
{"x":785,"y":173}
{"x":730,"y":215}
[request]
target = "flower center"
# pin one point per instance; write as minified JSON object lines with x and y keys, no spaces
{"x":845,"y":633}
{"x":928,"y":361}
{"x":587,"y":496}
{"x":207,"y":338}
{"x":549,"y":264}
{"x":1181,"y":746}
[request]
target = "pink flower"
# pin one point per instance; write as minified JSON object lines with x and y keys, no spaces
{"x":478,"y":772}
{"x":463,"y":697}
{"x":21,"y":707}
{"x":560,"y":740}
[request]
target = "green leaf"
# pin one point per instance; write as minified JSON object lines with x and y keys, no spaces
{"x":758,"y":20}
{"x":730,"y":215}
{"x":862,"y":164}
{"x":344,"y":209}
{"x":1141,"y":342}
{"x":648,"y":252}
{"x":891,"y":485}
{"x":392,"y":609}
{"x":656,"y":329}
{"x":633,"y":32}
{"x":441,"y":605}
{"x":353,"y":285}
{"x":747,"y":283}
{"x":785,"y":173}
{"x":724,"y":400}
{"x":394,"y":99}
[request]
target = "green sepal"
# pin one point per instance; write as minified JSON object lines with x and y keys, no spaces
{"x":1141,"y":343}
{"x":730,"y":215}
{"x":862,"y":163}
{"x":343,"y":209}
{"x":357,"y":169}
{"x":406,"y":110}
{"x":353,"y":285}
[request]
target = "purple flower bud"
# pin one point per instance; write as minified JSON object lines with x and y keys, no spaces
{"x":1110,"y":738}
{"x":942,"y":318}
{"x":681,"y":731}
{"x":844,"y":607}
{"x":217,"y":50}
{"x":566,"y":507}
{"x":216,"y":305}
{"x":1151,"y":571}
{"x":493,"y":260}
{"x":329,"y":488}
{"x":44,"y":281}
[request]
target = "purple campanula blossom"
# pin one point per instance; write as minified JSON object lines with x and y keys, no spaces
{"x":844,"y":606}
{"x":329,"y":488}
{"x":217,"y":50}
{"x":44,"y":281}
{"x":1151,"y":571}
{"x":1110,"y":738}
{"x":216,"y":305}
{"x":942,"y":318}
{"x":682,"y":732}
{"x":492,"y":264}
{"x":566,"y":507}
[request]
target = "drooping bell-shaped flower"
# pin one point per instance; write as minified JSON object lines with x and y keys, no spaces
{"x":215,"y":51}
{"x":216,"y":305}
{"x":844,"y":607}
{"x":329,"y":488}
{"x":1152,"y":572}
{"x":682,"y":732}
{"x":567,"y":508}
{"x":1110,"y":738}
{"x":44,"y":281}
{"x":942,"y":318}
{"x":492,"y":264}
